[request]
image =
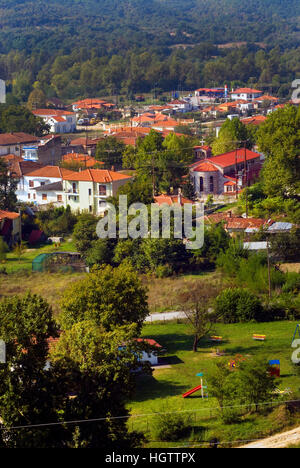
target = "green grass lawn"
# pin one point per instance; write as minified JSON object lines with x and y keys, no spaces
{"x":163,"y":391}
{"x":13,"y":264}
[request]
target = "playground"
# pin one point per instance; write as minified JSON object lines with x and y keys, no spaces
{"x":180,"y":387}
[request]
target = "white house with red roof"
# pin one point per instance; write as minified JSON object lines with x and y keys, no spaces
{"x":42,"y":185}
{"x":225,"y":174}
{"x":89,"y":190}
{"x":60,"y":121}
{"x":246,"y":94}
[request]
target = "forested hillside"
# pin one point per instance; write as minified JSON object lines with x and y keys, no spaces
{"x":81,"y":47}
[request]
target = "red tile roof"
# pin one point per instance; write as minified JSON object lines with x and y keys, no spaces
{"x":205,"y":166}
{"x":88,"y":160}
{"x":255,"y":120}
{"x":149,"y":341}
{"x":17,"y":138}
{"x":52,"y":112}
{"x":229,"y":159}
{"x":96,"y":175}
{"x":245,"y":223}
{"x":246,"y":90}
{"x":50,"y":172}
{"x":170,"y":200}
{"x":266,"y":97}
{"x":8,"y":215}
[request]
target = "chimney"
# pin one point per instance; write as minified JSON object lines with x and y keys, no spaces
{"x":229,"y":214}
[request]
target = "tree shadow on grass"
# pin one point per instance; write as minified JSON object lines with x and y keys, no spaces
{"x":174,"y":342}
{"x":148,"y":388}
{"x":241,"y":350}
{"x":169,"y":360}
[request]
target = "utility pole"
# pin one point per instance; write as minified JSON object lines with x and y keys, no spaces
{"x":153,"y":176}
{"x":269,"y":270}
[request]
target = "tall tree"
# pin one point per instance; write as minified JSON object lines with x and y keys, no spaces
{"x":8,"y":186}
{"x":279,"y":139}
{"x":29,"y":394}
{"x":196,"y":305}
{"x":110,"y":151}
{"x":100,"y":367}
{"x":109,"y":296}
{"x":233,"y":134}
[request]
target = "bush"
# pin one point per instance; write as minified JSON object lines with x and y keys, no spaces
{"x":172,"y":426}
{"x":292,"y":283}
{"x":3,"y":250}
{"x":163,"y":271}
{"x":238,"y":305}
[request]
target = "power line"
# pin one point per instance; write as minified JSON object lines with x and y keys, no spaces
{"x":113,"y":418}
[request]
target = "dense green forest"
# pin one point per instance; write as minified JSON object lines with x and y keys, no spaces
{"x":82,"y":47}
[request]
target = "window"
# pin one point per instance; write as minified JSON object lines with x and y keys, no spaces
{"x":102,"y":190}
{"x":29,"y":196}
{"x":43,"y":183}
{"x":34,"y":196}
{"x":59,"y":198}
{"x":201,"y":184}
{"x":74,"y":186}
{"x":211,"y":183}
{"x":91,"y":208}
{"x":90,"y":192}
{"x":31,"y":184}
{"x":44,"y":196}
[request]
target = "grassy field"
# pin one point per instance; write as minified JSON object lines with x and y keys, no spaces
{"x":13,"y":264}
{"x":163,"y":391}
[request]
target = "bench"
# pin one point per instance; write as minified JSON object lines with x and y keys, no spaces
{"x":259,"y":337}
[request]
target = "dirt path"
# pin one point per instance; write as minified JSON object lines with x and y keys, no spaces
{"x":278,"y":441}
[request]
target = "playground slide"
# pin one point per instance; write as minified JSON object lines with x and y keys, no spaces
{"x":190,"y":392}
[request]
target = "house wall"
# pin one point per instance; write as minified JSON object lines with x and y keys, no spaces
{"x":24,"y":190}
{"x":86,"y":196}
{"x":50,"y":154}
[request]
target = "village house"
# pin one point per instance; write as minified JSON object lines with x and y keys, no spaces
{"x":92,"y":104}
{"x":10,"y":227}
{"x":47,"y":151}
{"x":225,"y":174}
{"x":59,"y":121}
{"x":13,"y":143}
{"x":82,"y":145}
{"x":180,"y":105}
{"x":40,"y":185}
{"x":84,"y":160}
{"x":89,"y":190}
{"x":172,"y":199}
{"x":246,"y":94}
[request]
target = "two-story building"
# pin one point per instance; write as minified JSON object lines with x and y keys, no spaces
{"x":13,"y":143}
{"x":226,"y":174}
{"x":42,"y":185}
{"x":59,"y":121}
{"x":89,"y":190}
{"x":245,"y":94}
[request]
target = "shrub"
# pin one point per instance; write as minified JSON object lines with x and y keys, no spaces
{"x":3,"y":250}
{"x":292,"y":283}
{"x":238,"y":305}
{"x":171,"y":427}
{"x":164,"y":271}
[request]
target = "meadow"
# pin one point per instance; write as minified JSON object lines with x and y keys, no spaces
{"x":162,"y":392}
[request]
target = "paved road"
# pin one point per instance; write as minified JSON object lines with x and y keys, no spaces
{"x":165,"y":316}
{"x":278,"y":441}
